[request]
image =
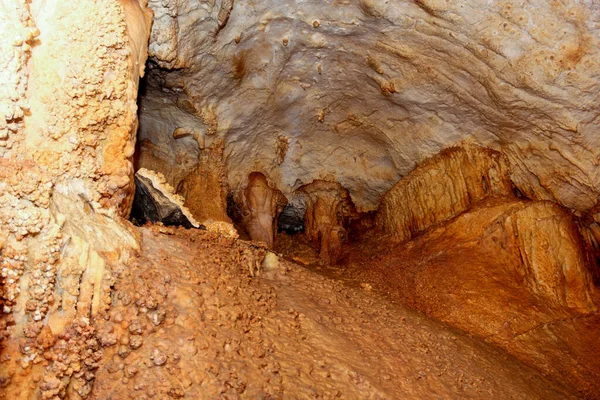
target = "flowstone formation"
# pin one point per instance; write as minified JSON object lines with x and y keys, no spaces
{"x":68,"y":119}
{"x":328,"y":210}
{"x":552,"y":259}
{"x":452,"y":241}
{"x":261,"y":205}
{"x":205,"y":187}
{"x":442,"y":187}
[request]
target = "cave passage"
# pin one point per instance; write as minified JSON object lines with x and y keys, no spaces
{"x":352,"y":199}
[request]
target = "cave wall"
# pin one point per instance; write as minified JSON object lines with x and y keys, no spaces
{"x":364,"y":90}
{"x":441,"y":188}
{"x":69,"y":78}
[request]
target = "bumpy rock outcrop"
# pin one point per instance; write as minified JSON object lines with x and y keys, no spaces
{"x":441,"y":188}
{"x":365,"y":90}
{"x":69,"y":77}
{"x":261,"y":205}
{"x":328,"y":209}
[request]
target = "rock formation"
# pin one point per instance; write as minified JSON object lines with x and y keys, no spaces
{"x":155,"y":201}
{"x":205,"y":187}
{"x":261,"y":206}
{"x":441,"y":188}
{"x":328,"y":209}
{"x":512,"y":272}
{"x":366,"y":90}
{"x":478,"y":119}
{"x":69,"y":77}
{"x":552,"y":259}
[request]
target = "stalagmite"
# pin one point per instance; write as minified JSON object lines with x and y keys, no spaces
{"x":328,"y":208}
{"x":261,"y":206}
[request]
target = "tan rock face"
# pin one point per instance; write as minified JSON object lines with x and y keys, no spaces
{"x":367,"y":89}
{"x":328,"y":208}
{"x":441,"y":188}
{"x":544,"y":238}
{"x":511,"y":272}
{"x":205,"y":187}
{"x":69,"y":78}
{"x":261,"y":206}
{"x":552,"y":255}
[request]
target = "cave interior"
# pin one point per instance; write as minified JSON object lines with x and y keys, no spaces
{"x":356,"y":199}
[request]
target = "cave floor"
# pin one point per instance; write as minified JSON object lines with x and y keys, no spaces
{"x":468,"y":282}
{"x":196,"y":320}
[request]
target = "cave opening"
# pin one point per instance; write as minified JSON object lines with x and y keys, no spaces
{"x":299,"y":199}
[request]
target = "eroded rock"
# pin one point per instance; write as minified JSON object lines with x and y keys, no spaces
{"x":205,"y":188}
{"x":368,"y":89}
{"x":261,"y":205}
{"x":69,"y":74}
{"x":441,"y":188}
{"x":328,"y":209}
{"x":512,"y":272}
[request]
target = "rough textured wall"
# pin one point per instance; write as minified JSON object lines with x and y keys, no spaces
{"x":547,"y":246}
{"x":552,"y":255}
{"x":441,"y":188}
{"x":69,"y":81}
{"x":365,"y":89}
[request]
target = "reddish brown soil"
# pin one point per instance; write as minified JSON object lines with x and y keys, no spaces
{"x":194,"y":319}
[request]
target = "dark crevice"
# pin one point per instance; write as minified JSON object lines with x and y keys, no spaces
{"x":291,"y":220}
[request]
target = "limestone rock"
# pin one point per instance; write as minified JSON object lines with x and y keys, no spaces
{"x":328,"y":210}
{"x":261,"y":205}
{"x":156,"y":201}
{"x":69,"y":76}
{"x":221,"y":227}
{"x":512,"y":272}
{"x":441,"y":188}
{"x":205,"y":187}
{"x":552,"y":254}
{"x":368,"y":89}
